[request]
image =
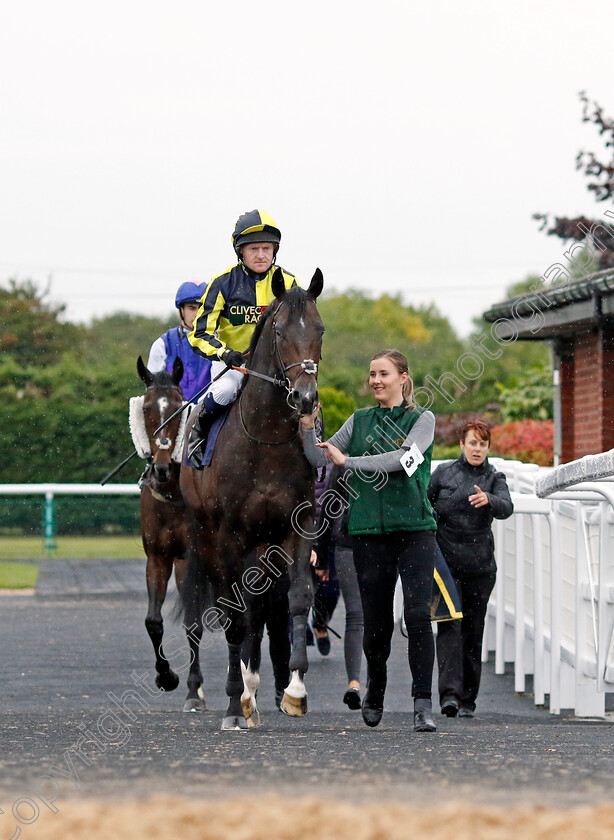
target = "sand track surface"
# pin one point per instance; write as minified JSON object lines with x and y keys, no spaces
{"x":286,"y":819}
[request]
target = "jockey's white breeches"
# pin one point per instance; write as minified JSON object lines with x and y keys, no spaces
{"x":225,"y":390}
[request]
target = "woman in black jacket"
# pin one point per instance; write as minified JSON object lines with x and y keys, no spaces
{"x":467,"y":494}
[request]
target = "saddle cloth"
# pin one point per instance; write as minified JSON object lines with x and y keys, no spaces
{"x":212,"y":433}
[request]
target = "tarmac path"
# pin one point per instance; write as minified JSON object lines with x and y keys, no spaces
{"x":82,"y":636}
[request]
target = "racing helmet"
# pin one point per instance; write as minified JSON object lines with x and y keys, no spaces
{"x":255,"y":226}
{"x":189,"y":292}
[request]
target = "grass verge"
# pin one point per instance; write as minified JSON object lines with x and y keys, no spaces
{"x":72,"y":548}
{"x":18,"y":575}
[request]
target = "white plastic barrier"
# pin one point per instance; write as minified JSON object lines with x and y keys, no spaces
{"x":552,"y":611}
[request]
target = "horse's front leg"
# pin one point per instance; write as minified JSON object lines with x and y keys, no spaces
{"x":251,"y":653}
{"x":300,"y":600}
{"x":230,"y":599}
{"x":234,"y":717}
{"x":195,"y":699}
{"x":278,"y":628}
{"x":158,"y":572}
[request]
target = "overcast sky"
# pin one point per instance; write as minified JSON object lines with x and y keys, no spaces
{"x":400,"y":146}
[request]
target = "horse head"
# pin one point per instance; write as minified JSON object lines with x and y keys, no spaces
{"x":296,"y":331}
{"x":162,"y":398}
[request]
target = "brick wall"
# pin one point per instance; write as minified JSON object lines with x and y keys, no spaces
{"x":566,"y":380}
{"x":587,"y":396}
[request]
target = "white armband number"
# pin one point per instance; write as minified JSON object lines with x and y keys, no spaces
{"x":411,"y":460}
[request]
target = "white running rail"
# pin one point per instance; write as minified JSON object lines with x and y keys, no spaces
{"x":552,"y":611}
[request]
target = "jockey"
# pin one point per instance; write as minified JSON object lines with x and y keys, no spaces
{"x":164,"y":350}
{"x":230,"y":308}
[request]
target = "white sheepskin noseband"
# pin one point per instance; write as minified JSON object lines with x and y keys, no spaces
{"x":139,"y":433}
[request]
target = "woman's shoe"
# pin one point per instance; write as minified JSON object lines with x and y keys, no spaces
{"x":373,"y":704}
{"x":449,"y":706}
{"x":423,"y":716}
{"x":323,"y":640}
{"x":351,"y":698}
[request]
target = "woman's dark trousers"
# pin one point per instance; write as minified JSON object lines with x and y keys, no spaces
{"x":459,"y":643}
{"x":378,"y":559}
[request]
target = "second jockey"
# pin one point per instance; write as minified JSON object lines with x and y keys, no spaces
{"x":230,"y":307}
{"x":174,"y":342}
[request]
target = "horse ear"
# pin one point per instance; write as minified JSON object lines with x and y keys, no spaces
{"x":317,"y":283}
{"x":143,"y":372}
{"x":278,"y":287}
{"x":177,"y":370}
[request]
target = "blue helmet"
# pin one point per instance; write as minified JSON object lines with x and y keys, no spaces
{"x":189,"y":292}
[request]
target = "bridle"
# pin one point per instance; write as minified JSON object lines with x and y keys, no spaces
{"x":163,"y":444}
{"x":280,"y":380}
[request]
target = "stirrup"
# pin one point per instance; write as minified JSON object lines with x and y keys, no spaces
{"x":194,"y":450}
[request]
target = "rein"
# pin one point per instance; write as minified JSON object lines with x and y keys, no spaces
{"x":308,"y":365}
{"x":257,"y":440}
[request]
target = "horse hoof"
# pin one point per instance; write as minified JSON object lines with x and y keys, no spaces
{"x":251,"y":713}
{"x":293,"y":706}
{"x":234,"y":723}
{"x":254,"y":721}
{"x":167,"y":681}
{"x":194,"y":704}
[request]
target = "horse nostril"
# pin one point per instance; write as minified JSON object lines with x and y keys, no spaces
{"x":161,"y":471}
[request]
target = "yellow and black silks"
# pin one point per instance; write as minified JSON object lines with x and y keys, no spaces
{"x":446,"y":604}
{"x":230,"y":307}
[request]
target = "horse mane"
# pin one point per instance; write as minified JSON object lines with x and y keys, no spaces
{"x":296,"y":300}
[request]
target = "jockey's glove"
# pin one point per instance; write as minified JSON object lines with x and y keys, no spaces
{"x":233,"y":358}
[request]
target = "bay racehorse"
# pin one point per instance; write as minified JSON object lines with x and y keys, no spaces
{"x":164,"y":526}
{"x":252,"y":508}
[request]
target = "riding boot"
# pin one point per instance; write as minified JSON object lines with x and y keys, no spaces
{"x":423,"y":716}
{"x":208,"y":409}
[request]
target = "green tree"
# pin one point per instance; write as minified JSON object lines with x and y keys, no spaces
{"x":529,"y":395}
{"x":336,"y":408}
{"x":122,"y":336}
{"x":359,"y":326}
{"x":511,"y":358}
{"x":31,"y":331}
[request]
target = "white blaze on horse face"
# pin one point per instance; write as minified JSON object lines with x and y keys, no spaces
{"x":162,"y":406}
